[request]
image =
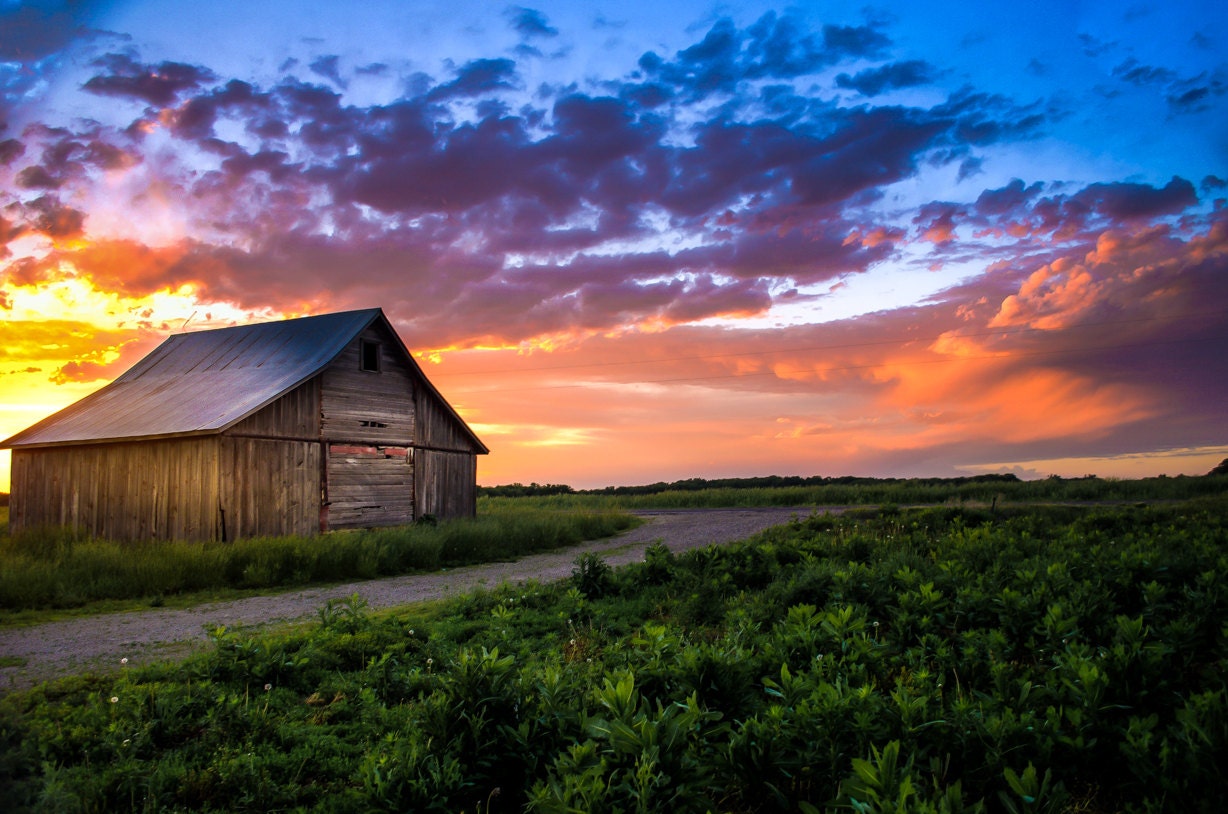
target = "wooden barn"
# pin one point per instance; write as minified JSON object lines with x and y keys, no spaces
{"x":292,"y":427}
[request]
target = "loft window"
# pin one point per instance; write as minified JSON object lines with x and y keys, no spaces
{"x":368,"y":356}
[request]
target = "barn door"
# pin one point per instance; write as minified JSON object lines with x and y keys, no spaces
{"x":369,"y":486}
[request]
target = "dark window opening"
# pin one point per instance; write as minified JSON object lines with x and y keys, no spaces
{"x":368,"y":356}
{"x":366,"y":423}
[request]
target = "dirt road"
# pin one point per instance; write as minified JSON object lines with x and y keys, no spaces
{"x":99,"y":642}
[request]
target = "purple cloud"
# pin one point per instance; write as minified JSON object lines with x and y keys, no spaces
{"x":158,"y":85}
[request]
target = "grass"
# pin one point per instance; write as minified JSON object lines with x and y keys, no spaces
{"x":1045,"y":658}
{"x":867,"y":491}
{"x":55,"y":569}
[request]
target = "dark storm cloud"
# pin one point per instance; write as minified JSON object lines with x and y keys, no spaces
{"x":159,"y":85}
{"x":873,"y":81}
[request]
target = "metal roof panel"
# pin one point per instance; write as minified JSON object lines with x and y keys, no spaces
{"x":202,"y":382}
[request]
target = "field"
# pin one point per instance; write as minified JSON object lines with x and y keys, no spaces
{"x":57,"y":568}
{"x":957,"y":658}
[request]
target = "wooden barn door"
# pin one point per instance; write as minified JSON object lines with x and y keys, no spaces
{"x":369,"y":486}
{"x":446,"y":484}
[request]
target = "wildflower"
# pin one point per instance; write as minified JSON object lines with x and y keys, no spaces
{"x":124,"y":660}
{"x":411,"y":631}
{"x":268,"y":687}
{"x":429,"y":662}
{"x":114,"y":699}
{"x":127,"y":741}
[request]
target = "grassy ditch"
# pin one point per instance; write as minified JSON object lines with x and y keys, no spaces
{"x":54,"y":568}
{"x":951,"y":659}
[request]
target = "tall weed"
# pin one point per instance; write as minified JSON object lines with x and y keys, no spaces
{"x":56,"y":568}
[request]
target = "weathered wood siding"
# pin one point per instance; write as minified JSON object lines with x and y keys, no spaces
{"x":370,"y":486}
{"x":150,"y":490}
{"x":294,"y":415}
{"x":361,"y":406}
{"x":367,"y":422}
{"x":348,"y":448}
{"x":437,"y":427}
{"x":188,"y":489}
{"x":268,"y":487}
{"x":446,"y":485}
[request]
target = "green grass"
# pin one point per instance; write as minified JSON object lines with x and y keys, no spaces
{"x":988,"y":491}
{"x":56,"y":569}
{"x":1057,"y":658}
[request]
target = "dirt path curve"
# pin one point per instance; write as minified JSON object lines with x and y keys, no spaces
{"x":99,"y":642}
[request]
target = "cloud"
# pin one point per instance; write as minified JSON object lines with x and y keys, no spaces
{"x":530,"y":22}
{"x":30,"y":31}
{"x":873,"y":81}
{"x":159,"y":85}
{"x":662,"y":218}
{"x":774,"y":46}
{"x":1183,"y":94}
{"x":1129,"y":201}
{"x":478,"y":77}
{"x":328,"y":66}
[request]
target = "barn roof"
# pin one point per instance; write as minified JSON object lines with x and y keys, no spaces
{"x":205,"y":382}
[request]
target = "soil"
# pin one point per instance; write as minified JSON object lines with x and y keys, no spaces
{"x":98,"y":643}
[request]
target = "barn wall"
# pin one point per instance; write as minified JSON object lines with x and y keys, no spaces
{"x":150,"y":490}
{"x":189,"y":489}
{"x":371,"y":408}
{"x":446,"y":486}
{"x":437,"y":427}
{"x":370,"y":485}
{"x":294,"y":415}
{"x":268,"y":487}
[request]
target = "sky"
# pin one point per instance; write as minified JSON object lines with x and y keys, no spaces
{"x":634,"y":242}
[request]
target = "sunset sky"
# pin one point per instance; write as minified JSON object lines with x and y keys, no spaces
{"x":638,"y":241}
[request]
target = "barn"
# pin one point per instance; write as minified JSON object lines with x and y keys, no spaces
{"x":293,"y":427}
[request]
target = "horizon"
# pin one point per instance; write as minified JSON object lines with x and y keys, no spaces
{"x":633,"y":244}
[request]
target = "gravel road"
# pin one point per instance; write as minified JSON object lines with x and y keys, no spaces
{"x":99,"y":642}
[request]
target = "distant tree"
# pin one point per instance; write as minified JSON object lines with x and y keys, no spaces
{"x":1222,"y":469}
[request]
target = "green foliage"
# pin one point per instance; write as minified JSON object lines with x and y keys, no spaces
{"x":941,"y":660}
{"x":990,"y":491}
{"x":591,"y":576}
{"x":57,"y":568}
